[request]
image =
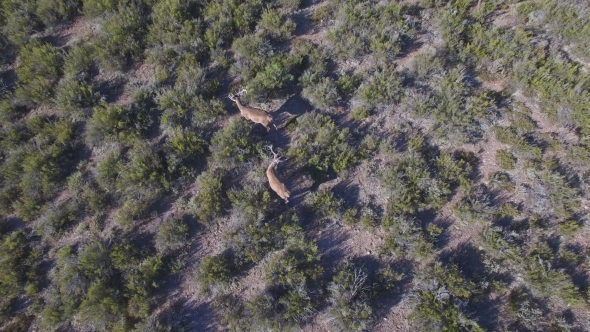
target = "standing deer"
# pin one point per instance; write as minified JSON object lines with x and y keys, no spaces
{"x":250,"y":113}
{"x":273,"y":180}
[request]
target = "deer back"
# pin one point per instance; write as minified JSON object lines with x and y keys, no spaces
{"x":276,"y":184}
{"x":255,"y":114}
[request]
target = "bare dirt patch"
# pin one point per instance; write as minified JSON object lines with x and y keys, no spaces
{"x":82,"y":28}
{"x":507,"y":17}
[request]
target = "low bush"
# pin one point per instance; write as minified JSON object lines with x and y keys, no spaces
{"x":59,"y":217}
{"x":216,"y":271}
{"x":254,"y":240}
{"x":121,"y":37}
{"x":297,"y":264}
{"x":322,"y":147}
{"x":72,"y":97}
{"x":208,"y":203}
{"x":363,"y":28}
{"x":53,"y":12}
{"x":350,"y":297}
{"x":505,"y":159}
{"x":275,"y":25}
{"x":383,"y":87}
{"x":97,"y":7}
{"x":172,"y":235}
{"x":475,"y":206}
{"x":253,"y":201}
{"x":320,"y":91}
{"x":502,"y":181}
{"x":38,"y":71}
{"x":117,"y":123}
{"x":234,"y":144}
{"x":323,"y":203}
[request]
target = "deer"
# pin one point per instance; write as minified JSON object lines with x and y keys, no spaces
{"x":250,"y":113}
{"x":273,"y":180}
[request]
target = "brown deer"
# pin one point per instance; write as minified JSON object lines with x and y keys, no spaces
{"x":273,"y":180}
{"x":250,"y":113}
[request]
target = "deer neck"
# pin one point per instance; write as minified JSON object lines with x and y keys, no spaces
{"x":271,"y":167}
{"x":240,"y":105}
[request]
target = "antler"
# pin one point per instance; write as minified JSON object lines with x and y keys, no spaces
{"x":271,"y":150}
{"x":231,"y":97}
{"x":242,"y":92}
{"x":276,"y":159}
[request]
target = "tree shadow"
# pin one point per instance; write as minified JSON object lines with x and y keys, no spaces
{"x":470,"y":262}
{"x":185,"y":315}
{"x":111,"y":90}
{"x":348,"y":191}
{"x":330,"y":245}
{"x":390,"y":298}
{"x":11,"y":224}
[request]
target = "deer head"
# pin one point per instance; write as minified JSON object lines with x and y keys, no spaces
{"x":276,"y":158}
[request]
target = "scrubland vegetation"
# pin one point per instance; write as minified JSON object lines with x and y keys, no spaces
{"x":437,"y":154}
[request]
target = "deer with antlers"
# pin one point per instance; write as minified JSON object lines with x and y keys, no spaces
{"x":273,"y":180}
{"x":250,"y":113}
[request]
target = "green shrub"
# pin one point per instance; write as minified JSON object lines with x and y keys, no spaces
{"x":125,"y":256}
{"x":80,"y":63}
{"x":363,"y":28}
{"x":350,"y":294}
{"x":554,"y":193}
{"x":94,"y":260}
{"x":172,"y":235}
{"x":215,"y":271}
{"x":383,"y":87}
{"x":108,"y":170}
{"x":101,"y":309}
{"x":19,"y":21}
{"x":144,"y":176}
{"x":226,"y":19}
{"x":72,"y":97}
{"x":183,"y":108}
{"x":275,"y":25}
{"x":143,"y":280}
{"x":59,"y":217}
{"x":111,"y":122}
{"x":38,"y":71}
{"x":505,"y":159}
{"x":11,"y":109}
{"x":297,"y":264}
{"x":323,"y":203}
{"x":252,"y":201}
{"x":233,"y":144}
{"x":569,"y":227}
{"x":208,"y":203}
{"x":475,"y":206}
{"x":349,"y":217}
{"x":502,"y":181}
{"x":360,"y":113}
{"x":320,"y":91}
{"x":15,"y":264}
{"x":547,"y":280}
{"x":53,"y":12}
{"x":254,"y":240}
{"x":273,"y":77}
{"x":120,"y":39}
{"x":173,"y":29}
{"x":322,"y":146}
{"x":98,"y":7}
{"x":406,"y":236}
